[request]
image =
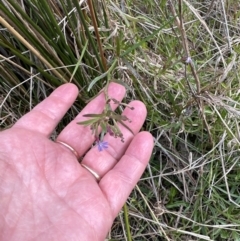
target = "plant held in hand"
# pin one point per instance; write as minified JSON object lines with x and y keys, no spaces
{"x":106,"y":122}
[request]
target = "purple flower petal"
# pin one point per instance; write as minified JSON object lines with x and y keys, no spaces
{"x":102,"y":145}
{"x":188,"y":60}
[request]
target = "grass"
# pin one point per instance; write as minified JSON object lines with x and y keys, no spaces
{"x":190,"y":190}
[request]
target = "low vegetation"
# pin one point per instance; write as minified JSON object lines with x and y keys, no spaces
{"x":181,"y":58}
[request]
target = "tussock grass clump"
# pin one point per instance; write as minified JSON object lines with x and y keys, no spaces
{"x":181,"y":58}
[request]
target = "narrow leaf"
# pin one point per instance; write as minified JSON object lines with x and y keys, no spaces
{"x":87,"y":122}
{"x":79,"y":61}
{"x":94,"y":81}
{"x":94,"y":115}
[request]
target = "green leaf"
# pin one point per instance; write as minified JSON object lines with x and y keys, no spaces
{"x":94,"y":115}
{"x":103,"y":126}
{"x":94,"y":81}
{"x":79,"y":61}
{"x":87,"y":122}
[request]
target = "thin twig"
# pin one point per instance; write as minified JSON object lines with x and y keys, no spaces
{"x":226,"y":27}
{"x":94,"y":21}
{"x":180,"y":24}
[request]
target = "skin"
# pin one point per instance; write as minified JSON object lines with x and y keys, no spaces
{"x":45,"y":194}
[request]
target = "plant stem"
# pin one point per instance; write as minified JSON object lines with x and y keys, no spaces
{"x":94,"y":21}
{"x":125,"y":210}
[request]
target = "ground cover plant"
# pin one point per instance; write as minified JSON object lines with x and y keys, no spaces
{"x":181,"y":58}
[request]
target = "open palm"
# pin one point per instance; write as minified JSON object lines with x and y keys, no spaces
{"x":45,"y":194}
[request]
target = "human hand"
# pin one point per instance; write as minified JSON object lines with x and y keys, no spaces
{"x":45,"y":194}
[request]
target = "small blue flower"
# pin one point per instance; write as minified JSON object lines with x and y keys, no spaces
{"x":102,"y":145}
{"x":188,"y":60}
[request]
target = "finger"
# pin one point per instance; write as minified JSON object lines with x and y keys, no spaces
{"x":80,"y":137}
{"x":102,"y":162}
{"x":45,"y":116}
{"x":118,"y":183}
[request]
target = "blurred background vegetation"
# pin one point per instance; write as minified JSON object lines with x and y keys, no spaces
{"x":181,"y":58}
